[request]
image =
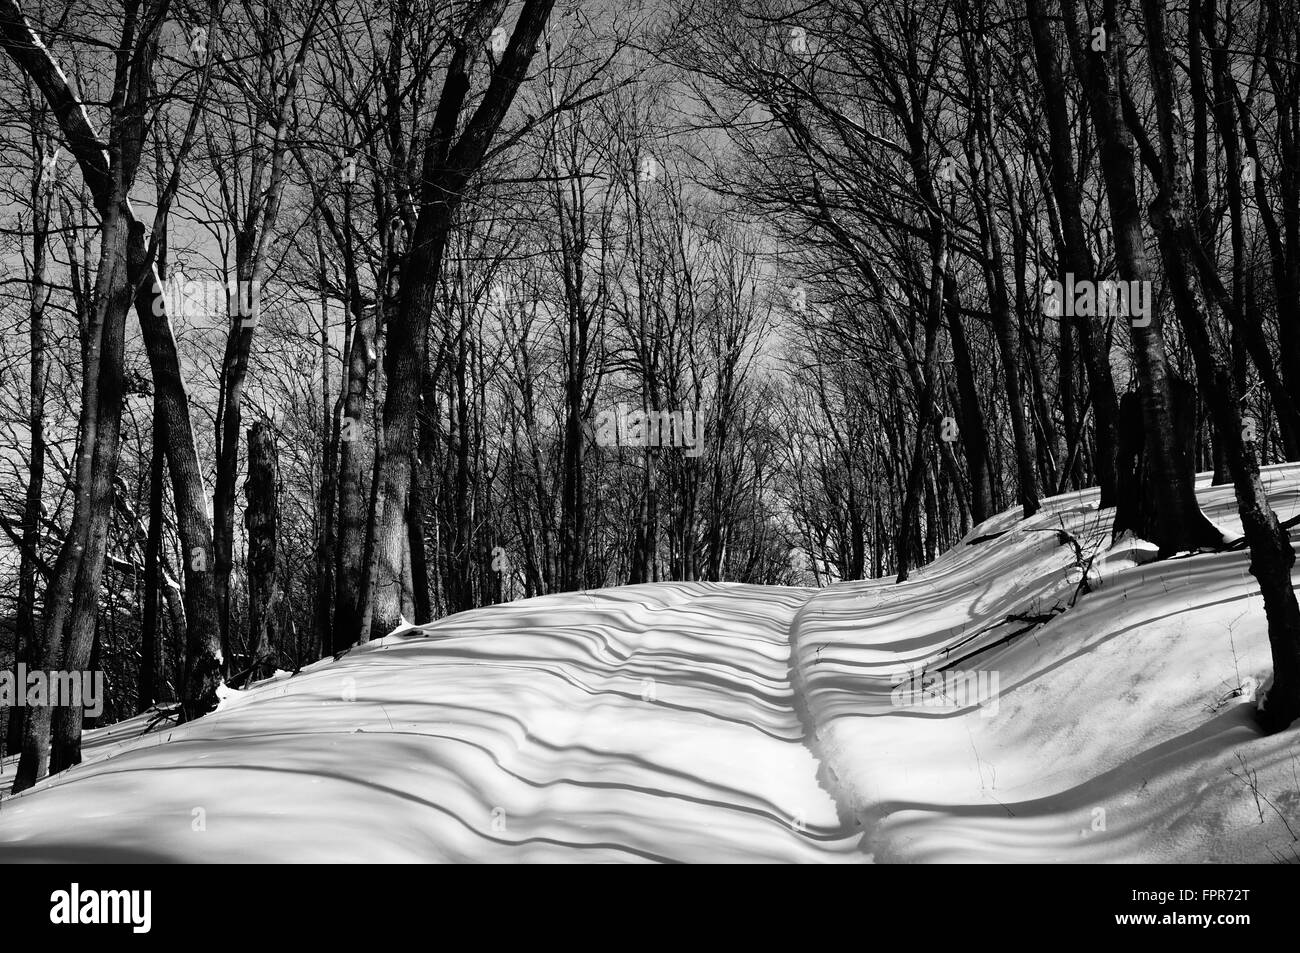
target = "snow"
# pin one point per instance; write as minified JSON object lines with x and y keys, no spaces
{"x":645,"y":723}
{"x":723,"y":722}
{"x":1123,"y":730}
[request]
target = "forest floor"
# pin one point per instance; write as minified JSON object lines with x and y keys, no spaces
{"x":718,"y":722}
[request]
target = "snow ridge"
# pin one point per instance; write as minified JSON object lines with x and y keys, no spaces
{"x":1122,"y":729}
{"x":707,"y":722}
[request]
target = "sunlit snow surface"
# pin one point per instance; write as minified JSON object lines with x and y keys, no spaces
{"x":645,"y":723}
{"x":658,"y":723}
{"x":1116,"y":736}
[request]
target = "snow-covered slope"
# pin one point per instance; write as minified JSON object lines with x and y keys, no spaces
{"x":1121,"y":729}
{"x":658,"y":722}
{"x":642,"y":723}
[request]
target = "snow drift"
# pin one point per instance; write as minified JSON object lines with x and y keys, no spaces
{"x":999,"y":706}
{"x":644,"y":723}
{"x":1122,"y":728}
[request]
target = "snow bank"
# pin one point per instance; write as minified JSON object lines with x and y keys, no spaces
{"x":1120,"y":730}
{"x":645,"y":723}
{"x":659,"y":723}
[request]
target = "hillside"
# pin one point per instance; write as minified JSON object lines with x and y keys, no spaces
{"x":659,"y":723}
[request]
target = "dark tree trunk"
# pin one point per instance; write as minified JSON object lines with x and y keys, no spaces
{"x":1137,"y":492}
{"x":349,"y":579}
{"x":1078,"y":260}
{"x":262,"y":521}
{"x":147,"y":683}
{"x":1007,"y":334}
{"x":973,"y":432}
{"x":1271,"y":554}
{"x":1179,"y":524}
{"x":1248,"y":333}
{"x":105,"y":183}
{"x":419,"y":561}
{"x":100,"y":440}
{"x":202,"y":672}
{"x":234,"y":371}
{"x":25,"y":611}
{"x":326,"y":501}
{"x":449,"y":161}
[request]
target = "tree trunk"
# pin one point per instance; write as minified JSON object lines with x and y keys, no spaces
{"x":448,"y":164}
{"x":973,"y":431}
{"x":106,"y":184}
{"x":421,"y":603}
{"x":326,"y":500}
{"x":352,"y":515}
{"x":262,"y":521}
{"x":1250,"y":333}
{"x":1006,"y":332}
{"x":147,"y":682}
{"x":101,"y":441}
{"x":25,"y":612}
{"x":202,"y":672}
{"x":1271,"y":554}
{"x":1179,"y":524}
{"x":234,"y":370}
{"x":1078,"y":260}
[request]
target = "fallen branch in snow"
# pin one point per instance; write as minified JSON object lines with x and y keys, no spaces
{"x":1285,"y":524}
{"x":1250,"y":778}
{"x":992,"y":645}
{"x":1081,"y":561}
{"x":161,"y":715}
{"x":1278,"y":858}
{"x":1036,"y":618}
{"x":1239,"y":691}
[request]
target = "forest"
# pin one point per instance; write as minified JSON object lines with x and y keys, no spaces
{"x":325,"y":317}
